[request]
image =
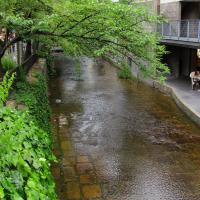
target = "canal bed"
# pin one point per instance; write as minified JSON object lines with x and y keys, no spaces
{"x":120,"y":140}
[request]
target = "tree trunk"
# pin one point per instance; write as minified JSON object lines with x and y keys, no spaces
{"x":35,"y":47}
{"x":28,"y":50}
{"x":2,"y":71}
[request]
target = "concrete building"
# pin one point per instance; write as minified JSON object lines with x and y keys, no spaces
{"x":181,"y":35}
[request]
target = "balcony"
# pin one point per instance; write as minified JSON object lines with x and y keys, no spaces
{"x":181,"y":30}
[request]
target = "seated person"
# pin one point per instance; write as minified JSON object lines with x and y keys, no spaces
{"x":195,"y":78}
{"x":196,"y":74}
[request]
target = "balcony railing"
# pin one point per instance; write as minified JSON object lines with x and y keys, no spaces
{"x":184,"y":30}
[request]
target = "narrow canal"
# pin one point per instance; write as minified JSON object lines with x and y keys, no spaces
{"x":117,"y":140}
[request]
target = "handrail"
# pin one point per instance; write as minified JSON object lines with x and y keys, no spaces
{"x":184,"y":30}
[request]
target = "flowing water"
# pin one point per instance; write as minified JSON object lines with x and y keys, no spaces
{"x":120,"y":140}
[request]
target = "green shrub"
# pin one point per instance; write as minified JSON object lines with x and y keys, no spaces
{"x":25,"y":156}
{"x":34,"y":96}
{"x":125,"y":73}
{"x":5,"y":86}
{"x":8,"y":63}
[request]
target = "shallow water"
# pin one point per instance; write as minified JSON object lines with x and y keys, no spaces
{"x":122,"y":140}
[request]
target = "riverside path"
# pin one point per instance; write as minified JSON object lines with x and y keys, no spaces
{"x":119,"y":140}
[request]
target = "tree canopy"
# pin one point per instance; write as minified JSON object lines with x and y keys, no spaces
{"x":87,"y":27}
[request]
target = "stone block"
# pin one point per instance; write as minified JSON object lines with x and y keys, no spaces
{"x":11,"y":103}
{"x":73,"y":191}
{"x":87,"y":179}
{"x":91,"y":191}
{"x":84,"y":168}
{"x":82,"y":159}
{"x":21,"y":107}
{"x":69,"y":174}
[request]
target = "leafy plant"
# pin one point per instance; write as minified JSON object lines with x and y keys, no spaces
{"x":25,"y":156}
{"x":25,"y":144}
{"x":125,"y":72}
{"x":8,"y":63}
{"x":34,"y":96}
{"x":5,"y":87}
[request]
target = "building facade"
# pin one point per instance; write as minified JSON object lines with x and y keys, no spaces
{"x":181,"y":35}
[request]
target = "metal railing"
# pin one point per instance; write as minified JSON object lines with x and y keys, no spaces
{"x":184,"y":30}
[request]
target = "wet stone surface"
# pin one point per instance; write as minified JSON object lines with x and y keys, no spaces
{"x":117,"y":140}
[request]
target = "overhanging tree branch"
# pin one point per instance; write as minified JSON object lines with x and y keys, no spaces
{"x":79,"y":22}
{"x":8,"y":44}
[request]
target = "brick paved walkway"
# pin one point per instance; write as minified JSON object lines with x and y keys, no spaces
{"x":75,"y":173}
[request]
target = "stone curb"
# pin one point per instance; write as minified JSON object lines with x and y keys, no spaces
{"x":191,"y":113}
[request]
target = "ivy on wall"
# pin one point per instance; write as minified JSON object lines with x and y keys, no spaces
{"x":25,"y":144}
{"x":34,"y":96}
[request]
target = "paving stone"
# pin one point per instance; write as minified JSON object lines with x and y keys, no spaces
{"x":11,"y":103}
{"x":69,"y":174}
{"x":62,"y":121}
{"x":56,"y":172}
{"x":66,"y":146}
{"x":21,"y":107}
{"x":87,"y":179}
{"x":70,"y":153}
{"x":68,"y":161}
{"x":80,"y":148}
{"x":64,"y":137}
{"x":91,"y":191}
{"x":84,"y":168}
{"x":102,"y":178}
{"x":63,"y":130}
{"x":73,"y":190}
{"x":82,"y":159}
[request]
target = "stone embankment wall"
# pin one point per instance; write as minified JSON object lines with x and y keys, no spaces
{"x":165,"y":88}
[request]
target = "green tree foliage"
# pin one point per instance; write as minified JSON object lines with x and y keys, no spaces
{"x":125,"y":72}
{"x":87,"y":27}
